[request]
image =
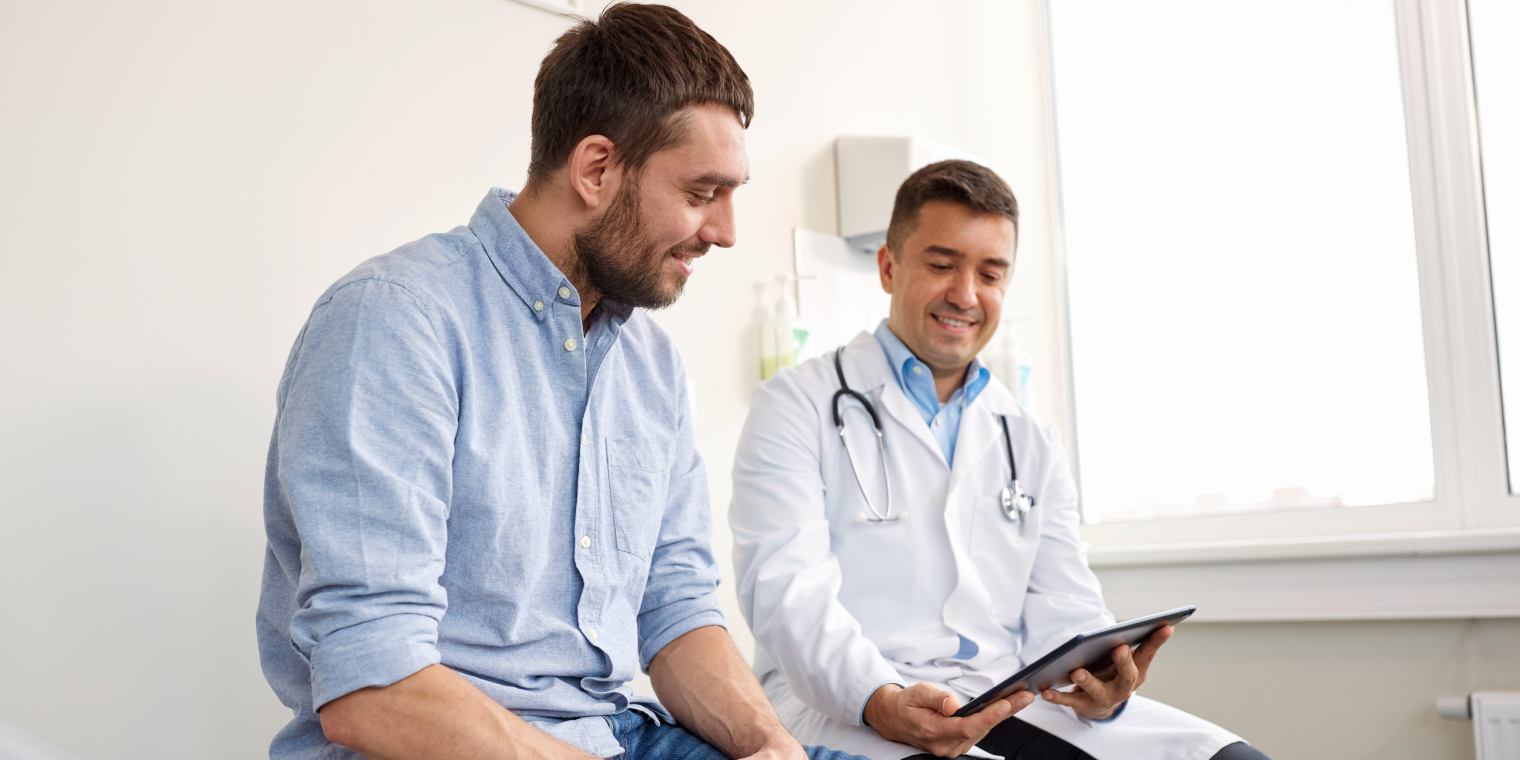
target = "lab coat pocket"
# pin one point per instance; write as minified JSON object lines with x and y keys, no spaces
{"x":1003,"y":554}
{"x":637,"y":477}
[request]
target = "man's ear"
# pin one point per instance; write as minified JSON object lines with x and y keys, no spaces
{"x":593,"y":171}
{"x":886,"y":265}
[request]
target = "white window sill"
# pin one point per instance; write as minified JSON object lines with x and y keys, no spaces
{"x":1429,"y":574}
{"x":1410,"y":544}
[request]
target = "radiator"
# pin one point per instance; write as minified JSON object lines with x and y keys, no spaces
{"x":1496,"y":724}
{"x":1496,"y":721}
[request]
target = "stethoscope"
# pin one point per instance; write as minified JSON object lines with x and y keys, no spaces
{"x":1014,"y":501}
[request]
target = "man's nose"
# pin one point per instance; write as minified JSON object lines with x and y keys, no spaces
{"x":962,"y":291}
{"x":719,"y":228}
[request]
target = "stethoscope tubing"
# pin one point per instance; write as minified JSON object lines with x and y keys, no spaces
{"x":881,"y":442}
{"x":1015,"y":503}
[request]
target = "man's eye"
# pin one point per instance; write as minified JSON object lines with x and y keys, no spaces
{"x":940,"y":267}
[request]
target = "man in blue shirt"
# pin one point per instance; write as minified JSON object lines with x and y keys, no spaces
{"x":483,"y":504}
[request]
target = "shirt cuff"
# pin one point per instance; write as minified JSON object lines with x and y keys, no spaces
{"x":377,"y":652}
{"x":860,"y":719}
{"x":1117,"y":712}
{"x":675,"y":630}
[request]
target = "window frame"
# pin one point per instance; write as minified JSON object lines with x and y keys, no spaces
{"x":1473,"y":509}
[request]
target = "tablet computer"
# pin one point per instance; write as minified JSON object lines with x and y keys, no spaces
{"x":1092,"y":650}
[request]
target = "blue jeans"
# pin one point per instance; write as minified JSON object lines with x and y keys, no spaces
{"x":641,"y":739}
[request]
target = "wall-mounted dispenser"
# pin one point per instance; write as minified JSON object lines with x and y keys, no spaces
{"x":868,"y":171}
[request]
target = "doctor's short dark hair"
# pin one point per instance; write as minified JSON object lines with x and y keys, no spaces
{"x":965,"y":182}
{"x":629,"y":76}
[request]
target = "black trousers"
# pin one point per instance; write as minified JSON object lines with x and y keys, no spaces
{"x":1014,"y":739}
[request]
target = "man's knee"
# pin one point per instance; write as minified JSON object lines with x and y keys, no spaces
{"x":1239,"y":751}
{"x":824,"y":753}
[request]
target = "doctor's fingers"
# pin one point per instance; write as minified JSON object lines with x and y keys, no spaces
{"x":955,"y":736}
{"x":1092,"y":691}
{"x":1147,"y":651}
{"x":1127,"y":672}
{"x":928,"y":697}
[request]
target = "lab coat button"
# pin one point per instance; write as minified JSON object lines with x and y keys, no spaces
{"x":570,"y":344}
{"x":585,"y":542}
{"x":564,"y":292}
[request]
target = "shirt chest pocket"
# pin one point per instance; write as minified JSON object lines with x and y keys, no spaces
{"x":637,"y":477}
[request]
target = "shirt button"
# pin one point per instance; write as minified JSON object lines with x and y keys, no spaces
{"x":591,"y":634}
{"x":570,"y":344}
{"x":564,"y":292}
{"x":939,"y":421}
{"x":917,"y":370}
{"x":538,"y":305}
{"x":585,"y":542}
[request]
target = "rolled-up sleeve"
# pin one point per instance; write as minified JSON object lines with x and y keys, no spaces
{"x":682,"y":591}
{"x":365,"y":438}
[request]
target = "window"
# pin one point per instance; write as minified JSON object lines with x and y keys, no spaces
{"x":1245,"y":306}
{"x":1279,"y":320}
{"x":1495,"y":25}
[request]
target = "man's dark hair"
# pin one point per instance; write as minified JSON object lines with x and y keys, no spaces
{"x":965,"y":182}
{"x":629,"y":76}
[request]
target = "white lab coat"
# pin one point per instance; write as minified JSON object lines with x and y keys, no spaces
{"x":840,"y":606}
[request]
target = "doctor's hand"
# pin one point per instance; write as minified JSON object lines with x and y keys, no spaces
{"x":920,"y":716}
{"x":1098,"y":695}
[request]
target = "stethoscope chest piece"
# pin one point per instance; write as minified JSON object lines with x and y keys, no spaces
{"x":1016,"y":502}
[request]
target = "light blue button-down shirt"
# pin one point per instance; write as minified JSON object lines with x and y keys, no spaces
{"x":459,"y":475}
{"x":917,"y":382}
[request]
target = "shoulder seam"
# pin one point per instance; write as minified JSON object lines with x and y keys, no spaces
{"x":421,"y":303}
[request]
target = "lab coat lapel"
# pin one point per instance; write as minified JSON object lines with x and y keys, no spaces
{"x":981,"y":431}
{"x":865,"y":366}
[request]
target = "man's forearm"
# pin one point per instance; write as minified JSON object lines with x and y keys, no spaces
{"x":435,"y":714}
{"x":711,"y":691}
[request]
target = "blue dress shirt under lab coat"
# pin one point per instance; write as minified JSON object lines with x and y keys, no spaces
{"x":459,"y":475}
{"x":917,"y":383}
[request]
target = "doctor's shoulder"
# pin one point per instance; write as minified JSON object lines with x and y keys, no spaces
{"x":1022,"y":421}
{"x":793,"y":389}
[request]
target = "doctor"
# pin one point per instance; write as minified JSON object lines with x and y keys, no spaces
{"x":889,"y":577}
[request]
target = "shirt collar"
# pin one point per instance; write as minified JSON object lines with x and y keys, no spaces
{"x":902,"y":361}
{"x":523,"y":265}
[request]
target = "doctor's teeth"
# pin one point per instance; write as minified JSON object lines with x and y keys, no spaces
{"x":953,"y":322}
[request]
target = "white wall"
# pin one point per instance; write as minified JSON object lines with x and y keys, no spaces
{"x":180,"y":180}
{"x":1338,"y":691}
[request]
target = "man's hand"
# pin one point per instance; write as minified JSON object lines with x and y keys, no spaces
{"x":920,"y":716}
{"x":1096,"y":698}
{"x":783,"y":748}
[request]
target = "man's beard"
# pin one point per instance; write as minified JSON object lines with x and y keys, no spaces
{"x":619,"y":259}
